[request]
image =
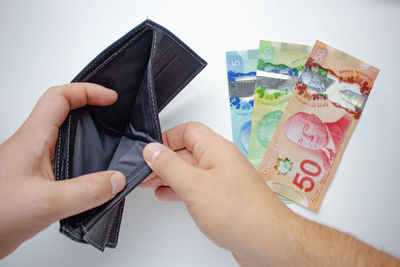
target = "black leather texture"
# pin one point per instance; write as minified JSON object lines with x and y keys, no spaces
{"x":147,"y":68}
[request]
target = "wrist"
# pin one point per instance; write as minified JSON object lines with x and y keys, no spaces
{"x":271,"y":234}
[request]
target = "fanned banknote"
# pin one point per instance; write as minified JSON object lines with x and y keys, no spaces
{"x":317,"y":124}
{"x":241,"y":66}
{"x":278,"y":69}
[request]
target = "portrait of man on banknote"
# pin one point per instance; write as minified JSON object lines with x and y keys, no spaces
{"x":309,"y":132}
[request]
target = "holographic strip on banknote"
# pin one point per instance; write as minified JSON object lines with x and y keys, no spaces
{"x":241,"y":69}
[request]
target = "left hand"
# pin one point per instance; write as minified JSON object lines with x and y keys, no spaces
{"x":30,"y":198}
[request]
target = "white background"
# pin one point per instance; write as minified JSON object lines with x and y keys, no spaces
{"x":45,"y":43}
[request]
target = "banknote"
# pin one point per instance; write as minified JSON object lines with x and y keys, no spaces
{"x":278,"y":68}
{"x":241,"y":70}
{"x":317,"y":124}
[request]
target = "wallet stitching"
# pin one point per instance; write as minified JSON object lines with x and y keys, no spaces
{"x":92,"y":242}
{"x":133,"y":177}
{"x":71,"y":233}
{"x":104,"y":53}
{"x":109,"y":230}
{"x":118,"y":227}
{"x":58,"y":155}
{"x":176,"y":41}
{"x":68,"y":138}
{"x":120,"y":217}
{"x":110,"y":58}
{"x":202,"y":64}
{"x":150,"y":73}
{"x":128,"y":180}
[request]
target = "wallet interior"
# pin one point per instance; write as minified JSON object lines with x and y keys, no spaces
{"x":147,"y":68}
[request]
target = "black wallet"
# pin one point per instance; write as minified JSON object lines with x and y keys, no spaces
{"x":147,"y":68}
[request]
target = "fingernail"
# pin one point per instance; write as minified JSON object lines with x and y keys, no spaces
{"x":151,"y":152}
{"x":117,"y":182}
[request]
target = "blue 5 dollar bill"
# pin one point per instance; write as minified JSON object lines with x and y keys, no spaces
{"x":241,"y":70}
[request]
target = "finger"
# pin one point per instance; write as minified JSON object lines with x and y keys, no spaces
{"x":171,"y":167}
{"x":150,"y":176}
{"x":154,"y":182}
{"x":76,"y":195}
{"x":166,"y":193}
{"x":53,"y":107}
{"x":200,"y":140}
{"x":187,"y":156}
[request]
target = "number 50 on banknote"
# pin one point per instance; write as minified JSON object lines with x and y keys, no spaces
{"x":317,"y":124}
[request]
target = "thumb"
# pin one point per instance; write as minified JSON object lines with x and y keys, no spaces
{"x":82,"y":193}
{"x":170,"y":167}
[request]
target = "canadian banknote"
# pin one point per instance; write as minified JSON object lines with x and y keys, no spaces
{"x":241,"y":69}
{"x":279,"y":66}
{"x":316,"y":125}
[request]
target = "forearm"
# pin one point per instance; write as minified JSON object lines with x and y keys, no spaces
{"x":298,"y":241}
{"x":321,"y":245}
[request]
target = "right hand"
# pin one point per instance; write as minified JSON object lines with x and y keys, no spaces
{"x":227,"y":198}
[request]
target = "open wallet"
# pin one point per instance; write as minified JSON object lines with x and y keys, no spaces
{"x":147,"y":67}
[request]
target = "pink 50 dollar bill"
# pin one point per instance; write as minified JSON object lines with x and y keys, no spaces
{"x":317,"y":124}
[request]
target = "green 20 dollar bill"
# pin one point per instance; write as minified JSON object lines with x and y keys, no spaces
{"x":279,"y":66}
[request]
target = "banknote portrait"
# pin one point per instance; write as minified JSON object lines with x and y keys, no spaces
{"x":310,"y":132}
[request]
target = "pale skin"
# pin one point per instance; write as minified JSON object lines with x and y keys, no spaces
{"x":224,"y":194}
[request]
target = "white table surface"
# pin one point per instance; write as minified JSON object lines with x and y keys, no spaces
{"x":45,"y":43}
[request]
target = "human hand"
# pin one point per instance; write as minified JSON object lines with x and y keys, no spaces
{"x":30,"y":198}
{"x":225,"y":195}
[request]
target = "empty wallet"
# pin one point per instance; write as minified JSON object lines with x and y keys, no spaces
{"x":147,"y":67}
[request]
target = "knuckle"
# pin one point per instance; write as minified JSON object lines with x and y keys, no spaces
{"x":55,"y":90}
{"x":194,"y":127}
